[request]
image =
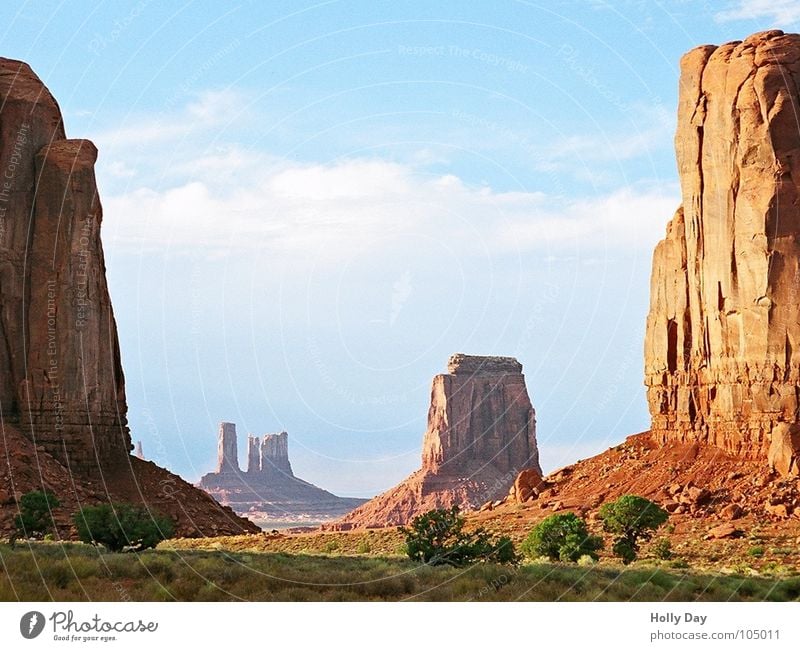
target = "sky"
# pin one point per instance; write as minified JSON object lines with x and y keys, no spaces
{"x":308,"y":206}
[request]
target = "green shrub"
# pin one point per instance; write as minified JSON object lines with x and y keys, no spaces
{"x":662,"y":549}
{"x":757,"y":551}
{"x":561,"y":537}
{"x":122,"y":526}
{"x":35,"y":518}
{"x":632,"y":520}
{"x":438,"y":538}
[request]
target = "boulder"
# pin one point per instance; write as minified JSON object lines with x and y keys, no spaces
{"x":731,"y":512}
{"x":778,"y":510}
{"x":784,"y":449}
{"x":726,"y":530}
{"x":528,"y":485}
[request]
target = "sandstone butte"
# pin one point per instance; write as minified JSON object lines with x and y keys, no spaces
{"x":63,"y":410}
{"x":481,"y":435}
{"x":268,"y":489}
{"x":722,"y":357}
{"x":722,"y":348}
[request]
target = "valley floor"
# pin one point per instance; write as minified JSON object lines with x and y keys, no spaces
{"x":76,"y":572}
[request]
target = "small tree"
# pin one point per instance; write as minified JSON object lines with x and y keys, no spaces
{"x":632,"y":520}
{"x":121,"y":526}
{"x":35,"y":517}
{"x":561,"y":537}
{"x":438,"y":538}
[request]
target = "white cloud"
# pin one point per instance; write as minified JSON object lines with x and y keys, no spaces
{"x":366,"y":206}
{"x":780,"y":13}
{"x":210,"y":109}
{"x":652,"y":131}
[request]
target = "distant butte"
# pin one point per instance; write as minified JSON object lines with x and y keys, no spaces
{"x":268,"y":490}
{"x":481,"y":434}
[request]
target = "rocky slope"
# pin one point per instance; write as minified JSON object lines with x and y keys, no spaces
{"x":62,"y":388}
{"x":269,"y":491}
{"x":722,"y":363}
{"x":481,"y":433}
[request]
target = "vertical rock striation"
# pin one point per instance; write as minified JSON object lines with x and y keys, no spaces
{"x":481,"y":435}
{"x":73,"y":395}
{"x":722,"y":363}
{"x":61,"y":379}
{"x":253,"y":455}
{"x":227,"y":449}
{"x":275,"y":454}
{"x":480,"y":413}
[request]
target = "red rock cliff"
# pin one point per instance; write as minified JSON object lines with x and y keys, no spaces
{"x":63,"y":413}
{"x":722,"y":351}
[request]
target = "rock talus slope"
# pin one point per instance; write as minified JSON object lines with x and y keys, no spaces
{"x":481,"y":434}
{"x":63,"y":411}
{"x":722,"y":350}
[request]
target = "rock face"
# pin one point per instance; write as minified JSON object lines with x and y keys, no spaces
{"x":61,"y":379}
{"x":62,"y":388}
{"x":722,"y":350}
{"x":480,"y":413}
{"x":275,"y":455}
{"x":481,"y":434}
{"x":269,"y":492}
{"x":227,"y":449}
{"x":253,"y":454}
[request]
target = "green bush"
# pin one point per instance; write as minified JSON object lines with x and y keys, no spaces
{"x":756,"y":551}
{"x":662,"y":549}
{"x":561,"y":537}
{"x":35,"y":518}
{"x":438,"y":538}
{"x":632,"y":520}
{"x":122,"y":526}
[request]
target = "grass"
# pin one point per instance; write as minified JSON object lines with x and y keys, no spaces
{"x":75,"y":572}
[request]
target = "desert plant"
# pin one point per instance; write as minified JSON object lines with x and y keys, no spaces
{"x":35,"y":518}
{"x":632,"y":520}
{"x":756,"y":550}
{"x":561,"y":537}
{"x":438,"y":538}
{"x":662,"y":549}
{"x":122,"y":526}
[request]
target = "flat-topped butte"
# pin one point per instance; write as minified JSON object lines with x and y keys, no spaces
{"x":482,"y":364}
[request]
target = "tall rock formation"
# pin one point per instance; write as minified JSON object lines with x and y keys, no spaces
{"x":722,"y":350}
{"x":61,"y":379}
{"x":62,"y":388}
{"x":275,"y":454}
{"x":481,"y":434}
{"x":269,"y":492}
{"x":227,"y":449}
{"x":253,"y":454}
{"x":480,"y":414}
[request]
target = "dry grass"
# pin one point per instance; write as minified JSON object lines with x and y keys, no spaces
{"x":70,"y":572}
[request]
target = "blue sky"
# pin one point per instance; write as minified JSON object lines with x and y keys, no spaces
{"x":310,"y":205}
